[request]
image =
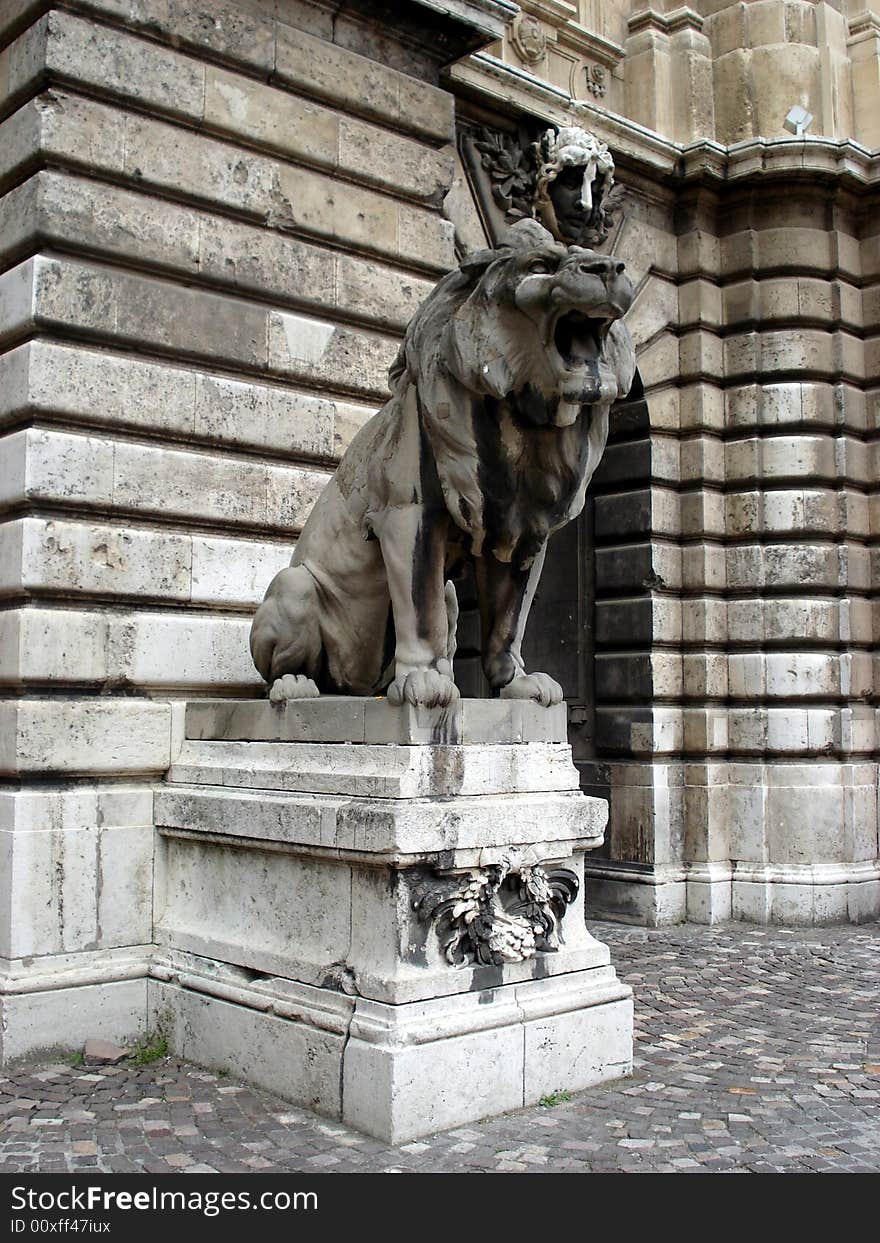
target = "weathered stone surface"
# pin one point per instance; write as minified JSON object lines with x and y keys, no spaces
{"x":235,"y":32}
{"x":240,"y":412}
{"x":37,"y":465}
{"x":397,"y":164}
{"x":318,"y":352}
{"x":46,"y":645}
{"x":79,"y":212}
{"x":113,"y":805}
{"x":98,"y":560}
{"x":44,"y":377}
{"x":119,"y":64}
{"x":94,"y":559}
{"x":84,"y":736}
{"x":151,"y":153}
{"x":199,"y":905}
{"x":233,"y":571}
{"x":311,"y":132}
{"x":21,"y":138}
{"x":353,"y":82}
{"x":79,"y":889}
{"x":398,"y":1083}
{"x":133,"y":226}
{"x":22,"y":59}
{"x":271,"y":117}
{"x":280,"y":194}
{"x":335,"y":718}
{"x":55,"y":1018}
{"x":377,"y":292}
{"x":56,"y":379}
{"x":389,"y":830}
{"x":144,"y":311}
{"x":586,"y":1045}
{"x":299,"y":1057}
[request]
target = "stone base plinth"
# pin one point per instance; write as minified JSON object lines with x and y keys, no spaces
{"x":712,"y":893}
{"x":61,"y":1001}
{"x":376,"y":912}
{"x":780,"y":842}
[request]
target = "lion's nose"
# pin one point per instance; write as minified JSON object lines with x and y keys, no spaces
{"x":594,"y":267}
{"x":601,"y":267}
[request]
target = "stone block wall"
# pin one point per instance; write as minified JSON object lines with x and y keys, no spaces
{"x":736,"y":574}
{"x":216,"y":221}
{"x":735,"y":581}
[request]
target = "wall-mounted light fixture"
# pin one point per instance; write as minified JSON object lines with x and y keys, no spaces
{"x":798,"y":120}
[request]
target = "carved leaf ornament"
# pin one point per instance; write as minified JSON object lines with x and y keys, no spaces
{"x":510,"y":174}
{"x":481,"y":919}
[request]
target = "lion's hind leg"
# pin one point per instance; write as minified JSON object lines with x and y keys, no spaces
{"x":286,"y":638}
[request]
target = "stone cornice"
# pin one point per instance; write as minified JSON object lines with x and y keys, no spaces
{"x":805,"y":156}
{"x":864,"y":25}
{"x":668,"y":23}
{"x":657,"y":157}
{"x":517,"y":90}
{"x":585,"y":41}
{"x":487,"y":17}
{"x":554,"y":12}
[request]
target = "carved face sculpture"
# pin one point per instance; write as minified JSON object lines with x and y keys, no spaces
{"x":575,"y":172}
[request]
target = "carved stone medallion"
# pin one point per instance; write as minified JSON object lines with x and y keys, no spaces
{"x":528,"y":38}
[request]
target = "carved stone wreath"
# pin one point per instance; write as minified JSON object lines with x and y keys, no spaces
{"x":481,"y":919}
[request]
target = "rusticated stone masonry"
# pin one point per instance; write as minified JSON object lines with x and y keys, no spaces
{"x":735,"y":575}
{"x":216,"y":222}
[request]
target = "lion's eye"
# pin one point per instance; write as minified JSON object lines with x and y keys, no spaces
{"x":539,"y":265}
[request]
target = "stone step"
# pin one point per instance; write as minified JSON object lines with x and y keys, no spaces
{"x":465,"y":831}
{"x":368,"y":770}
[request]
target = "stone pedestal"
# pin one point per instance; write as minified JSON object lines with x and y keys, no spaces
{"x":375,"y":911}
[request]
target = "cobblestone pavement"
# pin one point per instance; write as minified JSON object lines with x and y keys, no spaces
{"x":756,"y":1050}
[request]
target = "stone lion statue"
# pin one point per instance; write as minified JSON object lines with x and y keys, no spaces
{"x":497,"y":421}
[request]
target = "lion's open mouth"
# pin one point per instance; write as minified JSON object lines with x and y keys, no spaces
{"x":580,"y":339}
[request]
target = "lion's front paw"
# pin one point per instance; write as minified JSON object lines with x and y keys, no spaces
{"x":292,"y":686}
{"x":427,"y":688}
{"x":538,"y":686}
